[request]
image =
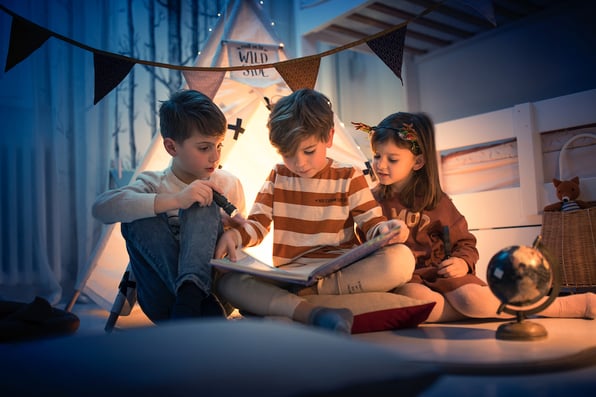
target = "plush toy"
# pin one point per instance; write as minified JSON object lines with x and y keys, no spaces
{"x":567,"y":192}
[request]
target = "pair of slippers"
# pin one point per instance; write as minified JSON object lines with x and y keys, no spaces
{"x":38,"y":319}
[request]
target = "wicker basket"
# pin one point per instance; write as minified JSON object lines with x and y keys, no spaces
{"x":570,"y":237}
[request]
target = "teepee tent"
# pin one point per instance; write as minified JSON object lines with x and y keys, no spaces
{"x":242,"y":37}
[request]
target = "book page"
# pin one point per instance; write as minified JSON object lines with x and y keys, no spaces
{"x":306,"y":274}
{"x":248,"y":264}
{"x":355,"y":254}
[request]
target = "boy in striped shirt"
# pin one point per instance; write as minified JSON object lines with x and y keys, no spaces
{"x":314,"y":204}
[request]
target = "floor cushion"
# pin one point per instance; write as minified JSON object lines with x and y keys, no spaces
{"x":378,"y":311}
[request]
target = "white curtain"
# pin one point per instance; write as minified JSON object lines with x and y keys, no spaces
{"x":53,"y":150}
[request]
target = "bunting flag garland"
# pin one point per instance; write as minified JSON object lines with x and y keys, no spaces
{"x":206,"y":82}
{"x":25,"y":38}
{"x":111,"y":69}
{"x":109,"y":72}
{"x":301,"y":73}
{"x":390,"y":48}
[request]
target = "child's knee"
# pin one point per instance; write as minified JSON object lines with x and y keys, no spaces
{"x":400,"y":263}
{"x":229,"y":282}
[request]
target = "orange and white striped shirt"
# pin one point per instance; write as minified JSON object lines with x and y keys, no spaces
{"x":312,"y":217}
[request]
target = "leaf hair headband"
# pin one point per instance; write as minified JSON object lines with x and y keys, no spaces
{"x":406,"y":133}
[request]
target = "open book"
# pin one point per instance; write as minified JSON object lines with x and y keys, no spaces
{"x":301,"y":273}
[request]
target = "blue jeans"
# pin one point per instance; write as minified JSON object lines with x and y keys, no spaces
{"x":161,"y":262}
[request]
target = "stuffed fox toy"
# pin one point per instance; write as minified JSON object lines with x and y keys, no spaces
{"x":568,"y":192}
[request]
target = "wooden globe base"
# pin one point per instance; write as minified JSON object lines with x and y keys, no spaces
{"x":521,"y":330}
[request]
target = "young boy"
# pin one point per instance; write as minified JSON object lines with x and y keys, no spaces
{"x":314,"y":204}
{"x":170,"y":221}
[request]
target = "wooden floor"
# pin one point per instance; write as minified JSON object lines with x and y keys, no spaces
{"x":473,"y":360}
{"x":456,"y":359}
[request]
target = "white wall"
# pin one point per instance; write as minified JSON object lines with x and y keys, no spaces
{"x":546,"y":56}
{"x":362,"y":89}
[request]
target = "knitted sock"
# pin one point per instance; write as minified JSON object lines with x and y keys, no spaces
{"x":573,"y":306}
{"x":339,"y":320}
{"x":189,"y":301}
{"x":579,"y":305}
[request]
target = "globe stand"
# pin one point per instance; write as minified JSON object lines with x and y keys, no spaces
{"x":522,"y":329}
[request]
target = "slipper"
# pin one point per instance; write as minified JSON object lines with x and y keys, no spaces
{"x":35,"y":320}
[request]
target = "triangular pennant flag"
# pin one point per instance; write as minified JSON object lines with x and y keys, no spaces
{"x":390,"y":48}
{"x":25,"y":37}
{"x":483,"y":7}
{"x":206,"y":82}
{"x":300,"y":74}
{"x":109,"y":72}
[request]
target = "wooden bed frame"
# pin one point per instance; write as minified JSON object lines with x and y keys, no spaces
{"x":513,"y":216}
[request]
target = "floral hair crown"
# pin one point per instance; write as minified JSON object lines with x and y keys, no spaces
{"x":406,"y":133}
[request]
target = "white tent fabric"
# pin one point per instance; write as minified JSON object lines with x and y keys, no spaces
{"x":250,"y":156}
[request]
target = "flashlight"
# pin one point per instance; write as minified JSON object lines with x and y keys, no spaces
{"x":223,"y":202}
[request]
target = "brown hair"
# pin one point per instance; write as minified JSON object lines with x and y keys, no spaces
{"x":424,"y":191}
{"x":188,"y":111}
{"x":300,"y":115}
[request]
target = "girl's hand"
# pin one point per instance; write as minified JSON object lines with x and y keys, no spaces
{"x":453,"y":267}
{"x":404,"y":231}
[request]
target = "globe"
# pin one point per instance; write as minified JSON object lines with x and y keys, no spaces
{"x":519,"y":275}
